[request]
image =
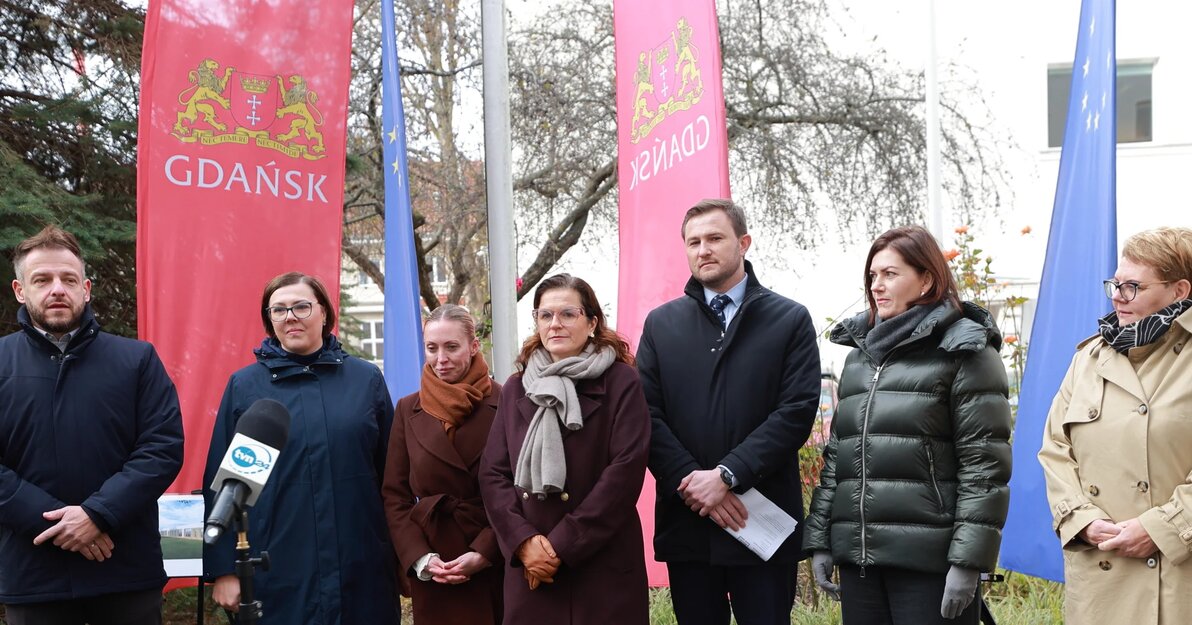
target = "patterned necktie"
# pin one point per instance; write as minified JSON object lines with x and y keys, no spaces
{"x":718,"y":303}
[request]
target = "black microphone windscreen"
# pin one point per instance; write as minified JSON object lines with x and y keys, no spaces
{"x":266,"y":421}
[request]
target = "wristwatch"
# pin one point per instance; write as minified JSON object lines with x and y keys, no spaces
{"x":726,"y":476}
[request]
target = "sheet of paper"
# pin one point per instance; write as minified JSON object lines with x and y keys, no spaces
{"x":767,"y":526}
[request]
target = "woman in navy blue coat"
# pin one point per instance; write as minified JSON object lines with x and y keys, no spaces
{"x":320,"y":516}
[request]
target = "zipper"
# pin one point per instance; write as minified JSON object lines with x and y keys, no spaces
{"x":865,"y":434}
{"x":864,"y":471}
{"x":934,"y":484}
{"x":61,"y":360}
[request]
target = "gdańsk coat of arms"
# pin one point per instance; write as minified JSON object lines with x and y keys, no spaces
{"x":667,"y":81}
{"x":229,"y":106}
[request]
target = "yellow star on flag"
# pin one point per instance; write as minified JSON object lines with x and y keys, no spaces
{"x":393,"y":135}
{"x":396,"y":166}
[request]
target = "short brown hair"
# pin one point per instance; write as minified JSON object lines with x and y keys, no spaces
{"x":51,"y":237}
{"x":736,"y":216}
{"x":291,"y":278}
{"x":920,"y":250}
{"x":1168,"y":250}
{"x":602,"y":335}
{"x":455,"y":314}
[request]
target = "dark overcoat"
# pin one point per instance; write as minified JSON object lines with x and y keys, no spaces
{"x":593,"y":525}
{"x":320,"y":516}
{"x":432,"y":504}
{"x":99,"y":427}
{"x":744,"y":397}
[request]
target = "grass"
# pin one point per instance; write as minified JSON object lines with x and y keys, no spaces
{"x":1020,"y":600}
{"x":1026,"y":600}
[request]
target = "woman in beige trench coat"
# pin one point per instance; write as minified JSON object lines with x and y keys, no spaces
{"x":1117,"y":450}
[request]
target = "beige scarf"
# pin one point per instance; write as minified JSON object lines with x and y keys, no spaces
{"x":542,"y":465}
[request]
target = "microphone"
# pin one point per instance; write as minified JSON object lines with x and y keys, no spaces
{"x":260,"y":435}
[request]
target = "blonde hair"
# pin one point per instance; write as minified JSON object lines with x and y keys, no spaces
{"x":1168,"y":250}
{"x":454,"y":313}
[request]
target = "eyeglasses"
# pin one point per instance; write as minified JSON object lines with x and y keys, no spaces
{"x":567,"y":316}
{"x":1129,"y":290}
{"x":301,"y":310}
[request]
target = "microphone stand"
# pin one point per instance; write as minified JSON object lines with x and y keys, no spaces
{"x":250,"y":609}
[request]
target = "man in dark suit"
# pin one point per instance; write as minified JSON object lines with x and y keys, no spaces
{"x":731,"y":373}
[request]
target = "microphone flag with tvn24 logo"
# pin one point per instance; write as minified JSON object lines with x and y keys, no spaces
{"x":240,"y":169}
{"x":672,"y":152}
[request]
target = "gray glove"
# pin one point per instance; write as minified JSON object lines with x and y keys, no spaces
{"x":821,"y":568}
{"x":959,"y":589}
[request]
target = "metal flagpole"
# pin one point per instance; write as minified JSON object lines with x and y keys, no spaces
{"x":935,"y":208}
{"x":498,"y":169}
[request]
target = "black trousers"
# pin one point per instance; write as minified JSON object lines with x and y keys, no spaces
{"x":894,"y":596}
{"x":142,"y":607}
{"x":758,"y":595}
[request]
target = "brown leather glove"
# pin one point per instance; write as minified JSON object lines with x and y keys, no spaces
{"x":539,"y":559}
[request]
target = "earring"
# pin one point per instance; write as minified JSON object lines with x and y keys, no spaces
{"x":922,"y":293}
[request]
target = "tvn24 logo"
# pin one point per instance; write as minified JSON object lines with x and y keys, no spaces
{"x":252,"y":459}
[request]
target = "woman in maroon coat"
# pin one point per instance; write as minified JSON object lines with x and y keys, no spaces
{"x":563,"y":469}
{"x":447,"y":550}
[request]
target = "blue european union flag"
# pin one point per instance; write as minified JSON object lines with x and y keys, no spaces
{"x":403,"y":314}
{"x":1081,"y":252}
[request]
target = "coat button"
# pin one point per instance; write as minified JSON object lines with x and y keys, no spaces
{"x":1092,"y":413}
{"x":1142,"y":409}
{"x":1151,"y":563}
{"x":525,"y":496}
{"x":1093,"y":490}
{"x":274,"y":376}
{"x":306,"y":368}
{"x":1179,"y":347}
{"x":1105,"y":565}
{"x":1143,"y":486}
{"x":564,"y":496}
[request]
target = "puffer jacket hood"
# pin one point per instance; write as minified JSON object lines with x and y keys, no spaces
{"x":916,"y":468}
{"x":969,"y":329}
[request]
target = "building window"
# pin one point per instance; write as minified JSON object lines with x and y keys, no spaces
{"x":372,"y":339}
{"x":438,"y":270}
{"x":1133,"y":102}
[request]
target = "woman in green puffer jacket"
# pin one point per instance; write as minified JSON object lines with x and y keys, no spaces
{"x":913,"y":493}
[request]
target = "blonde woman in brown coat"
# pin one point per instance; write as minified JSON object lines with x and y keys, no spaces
{"x":449,"y":556}
{"x":1117,"y":450}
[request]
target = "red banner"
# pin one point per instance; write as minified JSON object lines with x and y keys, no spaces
{"x":672,"y":152}
{"x":240,"y":170}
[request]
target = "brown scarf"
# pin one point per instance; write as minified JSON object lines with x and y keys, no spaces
{"x":452,"y":403}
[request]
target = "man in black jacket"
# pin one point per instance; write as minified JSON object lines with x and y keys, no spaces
{"x":90,"y":437}
{"x":731,"y":373}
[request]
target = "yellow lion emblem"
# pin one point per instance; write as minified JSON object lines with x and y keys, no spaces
{"x":686,"y":64}
{"x":300,"y":101}
{"x":205,"y":90}
{"x":641,"y":108}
